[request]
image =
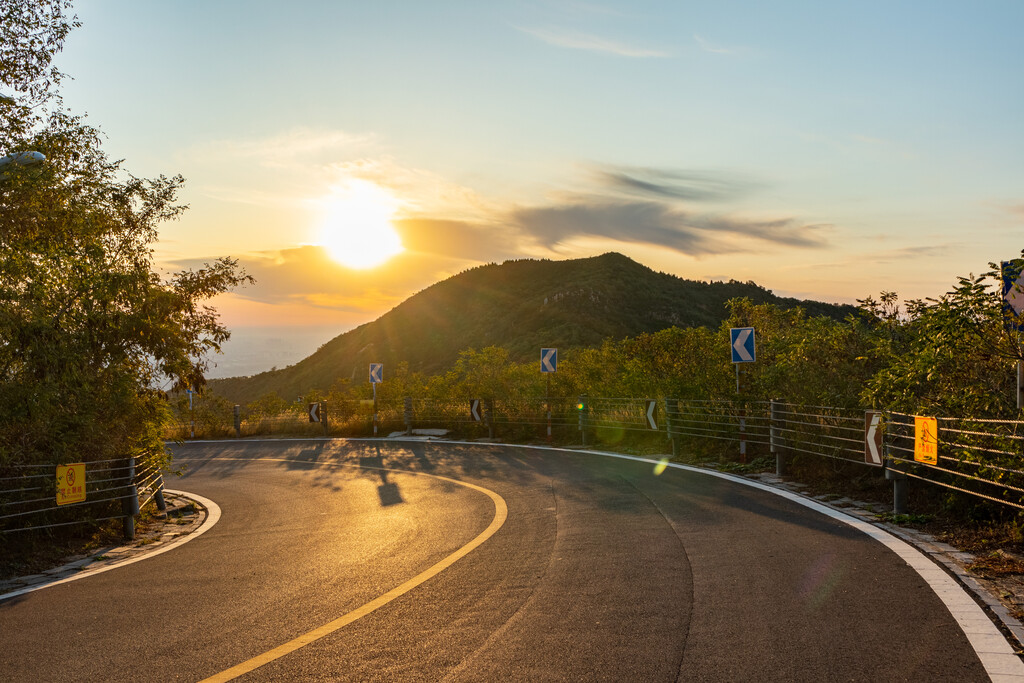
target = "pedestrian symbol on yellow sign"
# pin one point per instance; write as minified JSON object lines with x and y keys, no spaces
{"x":926,"y":440}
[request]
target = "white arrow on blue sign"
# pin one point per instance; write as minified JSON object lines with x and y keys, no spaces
{"x":549,"y":360}
{"x":376,"y":373}
{"x":1013,"y":293}
{"x":652,"y":414}
{"x":742,"y":339}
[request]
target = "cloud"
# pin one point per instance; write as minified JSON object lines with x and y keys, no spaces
{"x":575,"y":40}
{"x":899,"y":255}
{"x":697,"y":186}
{"x":659,"y":224}
{"x":298,"y":145}
{"x":707,"y":46}
{"x":306,"y":276}
{"x":459,"y":239}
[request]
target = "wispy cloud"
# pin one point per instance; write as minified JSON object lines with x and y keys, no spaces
{"x":299,"y":144}
{"x":690,"y":185}
{"x":575,"y":40}
{"x":715,"y":48}
{"x":460,"y":238}
{"x":884,"y":257}
{"x":659,"y":224}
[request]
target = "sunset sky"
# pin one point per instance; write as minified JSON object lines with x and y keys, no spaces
{"x":353,"y":153}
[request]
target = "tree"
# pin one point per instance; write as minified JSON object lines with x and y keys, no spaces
{"x":89,"y":331}
{"x":953,"y":355}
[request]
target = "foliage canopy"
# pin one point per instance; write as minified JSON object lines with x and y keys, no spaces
{"x":89,"y":331}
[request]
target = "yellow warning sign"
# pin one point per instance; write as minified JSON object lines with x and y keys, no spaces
{"x":70,"y":484}
{"x":926,"y":440}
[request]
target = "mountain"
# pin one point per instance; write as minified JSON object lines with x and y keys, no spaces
{"x":522,"y":305}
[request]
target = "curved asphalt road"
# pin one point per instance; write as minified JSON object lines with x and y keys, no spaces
{"x":601,"y":571}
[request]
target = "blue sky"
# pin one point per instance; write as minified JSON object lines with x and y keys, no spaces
{"x":823,"y":150}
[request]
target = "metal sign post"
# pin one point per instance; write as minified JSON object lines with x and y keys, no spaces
{"x":376,"y":377}
{"x":191,"y":416}
{"x":743,"y":351}
{"x":548,"y":365}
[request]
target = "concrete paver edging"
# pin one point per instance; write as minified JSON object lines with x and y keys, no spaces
{"x":171,"y":537}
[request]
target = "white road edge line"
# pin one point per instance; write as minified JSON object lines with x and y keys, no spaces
{"x":212,"y":517}
{"x":997,"y":656}
{"x":989,"y":643}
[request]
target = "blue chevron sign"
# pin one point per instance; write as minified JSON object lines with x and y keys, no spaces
{"x":742,"y":340}
{"x":549,"y":360}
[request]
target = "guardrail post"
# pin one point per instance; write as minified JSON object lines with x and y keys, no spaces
{"x":898,"y":479}
{"x":130,"y":502}
{"x":161,"y":504}
{"x":238,"y":421}
{"x":583,"y":407}
{"x":899,"y":490}
{"x":775,"y":440}
{"x":489,"y":416}
{"x":743,"y":433}
{"x":407,"y":414}
{"x":671,"y":410}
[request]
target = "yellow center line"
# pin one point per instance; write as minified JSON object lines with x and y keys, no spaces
{"x":500,"y":515}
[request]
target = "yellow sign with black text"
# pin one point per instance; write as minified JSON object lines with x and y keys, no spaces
{"x":70,"y":484}
{"x":926,"y":440}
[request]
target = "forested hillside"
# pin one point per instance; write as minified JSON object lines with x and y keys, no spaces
{"x":520,"y":306}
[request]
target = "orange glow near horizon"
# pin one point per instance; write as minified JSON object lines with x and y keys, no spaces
{"x":355,"y":225}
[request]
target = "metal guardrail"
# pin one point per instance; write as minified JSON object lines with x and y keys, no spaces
{"x":29,"y":495}
{"x":982,"y":458}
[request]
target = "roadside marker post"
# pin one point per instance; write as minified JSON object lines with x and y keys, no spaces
{"x":773,"y":437}
{"x":651,"y":414}
{"x":744,"y":350}
{"x":548,"y":365}
{"x":489,"y":416}
{"x":191,"y":415}
{"x":130,"y":502}
{"x":873,"y":437}
{"x":583,"y":408}
{"x":672,"y":412}
{"x":376,"y":377}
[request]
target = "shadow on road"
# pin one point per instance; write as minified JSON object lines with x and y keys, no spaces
{"x":605,"y":483}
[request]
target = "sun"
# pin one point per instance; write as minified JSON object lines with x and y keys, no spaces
{"x":355,"y":224}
